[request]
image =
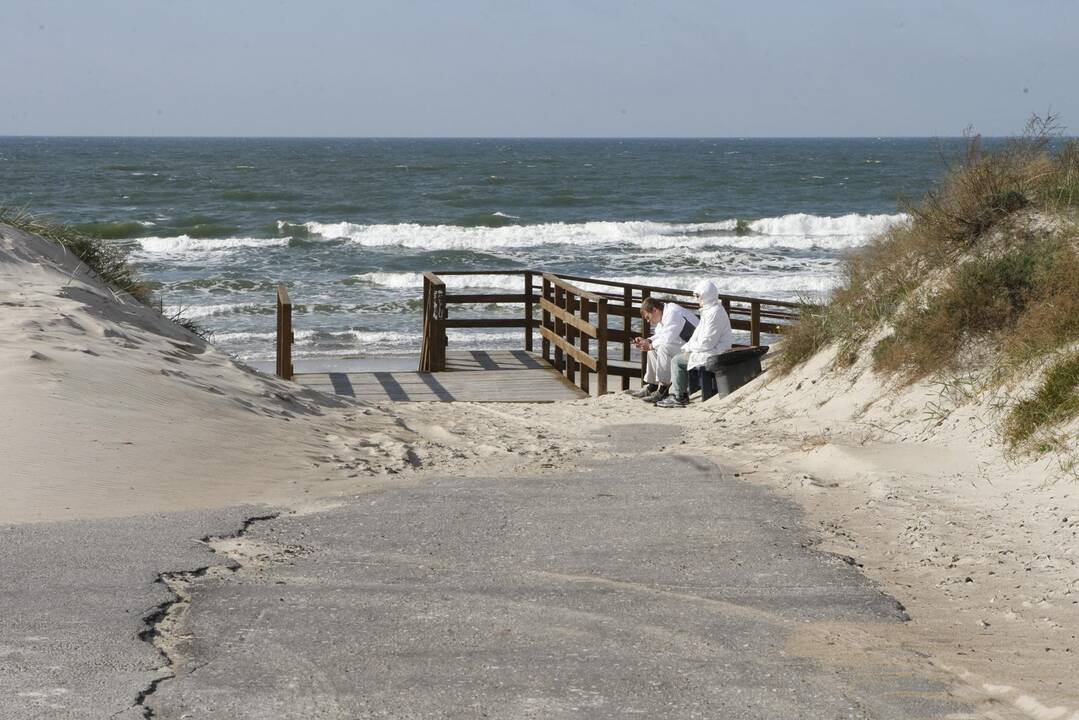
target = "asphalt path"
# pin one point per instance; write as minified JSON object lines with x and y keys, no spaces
{"x":647,"y":585}
{"x":76,"y":601}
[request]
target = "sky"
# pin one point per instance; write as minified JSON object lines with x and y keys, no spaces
{"x":544,"y":68}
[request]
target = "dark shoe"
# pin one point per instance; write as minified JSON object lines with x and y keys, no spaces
{"x":672,"y":401}
{"x":645,"y":392}
{"x":662,"y":392}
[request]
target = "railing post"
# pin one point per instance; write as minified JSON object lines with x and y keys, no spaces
{"x":425,"y":347}
{"x":559,"y":327}
{"x":584,"y":344}
{"x":284,"y":333}
{"x":433,"y":350}
{"x":438,"y":298}
{"x":528,"y":311}
{"x":646,"y":330}
{"x":755,"y":323}
{"x":571,"y":337}
{"x":627,"y":330}
{"x":546,"y":320}
{"x":601,"y":351}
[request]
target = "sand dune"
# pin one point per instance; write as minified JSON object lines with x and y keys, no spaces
{"x":110,"y":409}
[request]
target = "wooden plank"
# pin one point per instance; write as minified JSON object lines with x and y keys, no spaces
{"x":545,"y":344}
{"x":672,"y":291}
{"x":480,"y":272}
{"x":585,"y":381}
{"x":528,"y":310}
{"x":625,"y":335}
{"x":559,"y":326}
{"x":569,"y":318}
{"x":570,"y":288}
{"x":566,"y":347}
{"x":488,"y":323}
{"x":285,"y":336}
{"x":601,"y":350}
{"x":484,"y":298}
{"x":527,"y":385}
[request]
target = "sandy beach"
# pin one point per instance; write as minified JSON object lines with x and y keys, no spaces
{"x":112,"y":412}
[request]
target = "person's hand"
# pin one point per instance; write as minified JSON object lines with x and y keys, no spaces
{"x":636,"y":342}
{"x":645,"y":345}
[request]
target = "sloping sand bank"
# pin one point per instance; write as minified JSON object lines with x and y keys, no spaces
{"x":109,"y":409}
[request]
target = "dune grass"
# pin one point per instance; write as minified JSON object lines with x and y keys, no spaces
{"x":1056,"y":400}
{"x":107,"y":260}
{"x":989,"y":259}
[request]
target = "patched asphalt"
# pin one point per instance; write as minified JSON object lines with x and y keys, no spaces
{"x":73,"y":601}
{"x":650,"y":586}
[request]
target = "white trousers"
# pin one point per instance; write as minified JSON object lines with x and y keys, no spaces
{"x":658,"y":371}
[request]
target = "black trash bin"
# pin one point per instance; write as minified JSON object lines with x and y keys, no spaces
{"x":726,"y":372}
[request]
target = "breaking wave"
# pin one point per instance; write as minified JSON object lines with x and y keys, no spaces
{"x":773,"y":285}
{"x":186,"y":243}
{"x":795,"y":231}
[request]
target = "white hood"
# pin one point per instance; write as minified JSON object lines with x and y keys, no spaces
{"x":706,"y":292}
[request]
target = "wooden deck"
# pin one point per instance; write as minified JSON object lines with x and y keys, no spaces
{"x":470,"y":376}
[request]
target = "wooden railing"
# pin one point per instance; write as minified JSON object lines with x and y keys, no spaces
{"x":567,"y":329}
{"x":285,"y":336}
{"x":436,"y":314}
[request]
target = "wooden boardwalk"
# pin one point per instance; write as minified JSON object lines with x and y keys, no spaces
{"x":470,"y":376}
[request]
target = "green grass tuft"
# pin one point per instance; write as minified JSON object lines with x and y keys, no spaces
{"x":107,"y":260}
{"x":1055,"y":401}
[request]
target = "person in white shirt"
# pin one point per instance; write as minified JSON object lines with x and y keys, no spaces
{"x":712,"y":337}
{"x":672,"y":325}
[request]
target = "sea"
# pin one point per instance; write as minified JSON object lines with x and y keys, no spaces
{"x":349,"y":225}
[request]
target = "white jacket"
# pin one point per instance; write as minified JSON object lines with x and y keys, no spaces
{"x":669,"y":329}
{"x":713,"y":334}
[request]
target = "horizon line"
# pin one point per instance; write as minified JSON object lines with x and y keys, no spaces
{"x":510,"y":137}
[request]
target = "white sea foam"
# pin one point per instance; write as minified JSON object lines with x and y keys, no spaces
{"x":796,"y":231}
{"x":803,"y":225}
{"x":185,"y":243}
{"x":241,"y":337}
{"x":785,"y":284}
{"x":195,"y":312}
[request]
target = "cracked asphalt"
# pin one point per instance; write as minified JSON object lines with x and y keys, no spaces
{"x":652,"y":586}
{"x":73,"y":598}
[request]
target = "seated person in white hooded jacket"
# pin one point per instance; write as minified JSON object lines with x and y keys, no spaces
{"x":712,"y":337}
{"x":672,"y":326}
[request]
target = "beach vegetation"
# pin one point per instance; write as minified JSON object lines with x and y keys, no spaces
{"x":107,"y":260}
{"x":1054,"y":401}
{"x":984,"y":271}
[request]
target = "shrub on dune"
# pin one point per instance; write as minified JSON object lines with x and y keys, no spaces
{"x":986,"y":267}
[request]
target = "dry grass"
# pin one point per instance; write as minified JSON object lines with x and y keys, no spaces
{"x":988,"y":261}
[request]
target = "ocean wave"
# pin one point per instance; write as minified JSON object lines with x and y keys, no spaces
{"x":785,"y":284}
{"x":354,"y":341}
{"x":814,"y":226}
{"x":197,"y":312}
{"x":795,"y":231}
{"x":186,"y":243}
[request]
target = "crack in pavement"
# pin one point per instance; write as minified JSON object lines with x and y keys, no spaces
{"x":163,"y":621}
